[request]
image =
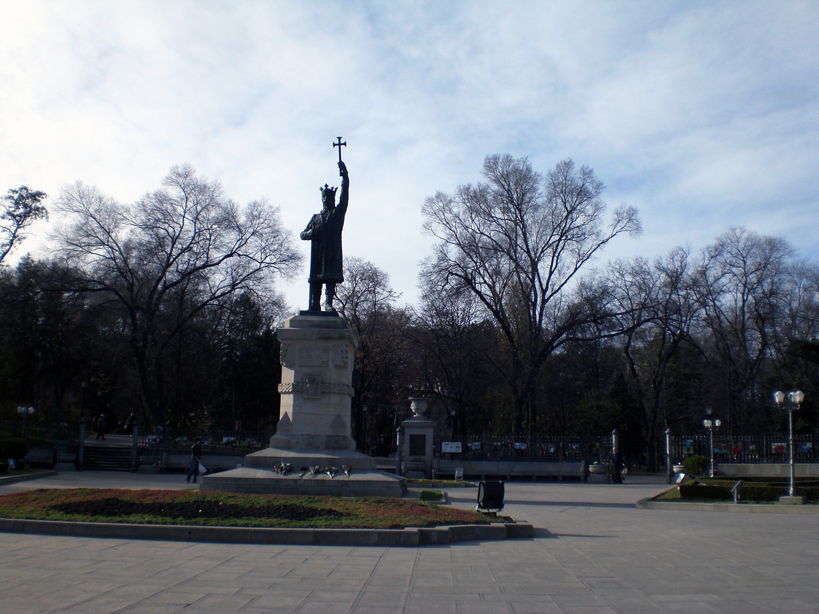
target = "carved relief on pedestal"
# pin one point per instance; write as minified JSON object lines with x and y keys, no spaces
{"x":313,"y":387}
{"x":341,"y":355}
{"x":287,"y":356}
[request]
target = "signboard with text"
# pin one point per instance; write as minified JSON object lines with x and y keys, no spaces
{"x":451,"y":447}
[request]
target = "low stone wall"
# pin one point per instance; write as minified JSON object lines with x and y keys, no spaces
{"x":411,"y":537}
{"x":508,"y":469}
{"x":767,"y":470}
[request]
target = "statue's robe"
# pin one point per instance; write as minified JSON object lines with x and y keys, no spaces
{"x":324,"y":232}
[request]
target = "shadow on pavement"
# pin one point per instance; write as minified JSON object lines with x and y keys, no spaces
{"x":571,"y":503}
{"x":546,"y":533}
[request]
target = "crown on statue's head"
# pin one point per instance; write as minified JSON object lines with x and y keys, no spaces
{"x":328,"y":194}
{"x":328,"y":191}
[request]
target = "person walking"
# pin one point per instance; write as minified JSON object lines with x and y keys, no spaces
{"x":196,"y":458}
{"x":128,"y":425}
{"x":616,"y":467}
{"x":102,"y":425}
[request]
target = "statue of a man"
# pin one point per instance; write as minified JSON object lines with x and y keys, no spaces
{"x":324,"y":230}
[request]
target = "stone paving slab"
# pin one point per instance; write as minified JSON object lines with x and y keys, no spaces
{"x":596,"y":553}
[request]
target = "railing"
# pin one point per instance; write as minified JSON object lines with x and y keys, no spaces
{"x":746,"y":448}
{"x":212,"y":441}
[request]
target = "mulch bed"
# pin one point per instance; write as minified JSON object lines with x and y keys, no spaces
{"x":191,"y":510}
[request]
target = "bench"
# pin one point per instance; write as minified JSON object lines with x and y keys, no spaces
{"x":509,"y":469}
{"x":41,"y":456}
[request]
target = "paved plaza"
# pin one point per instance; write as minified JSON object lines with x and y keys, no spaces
{"x":594,"y":553}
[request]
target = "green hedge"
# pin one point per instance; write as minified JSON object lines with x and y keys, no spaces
{"x":695,"y":490}
{"x":695,"y":465}
{"x":751,"y":491}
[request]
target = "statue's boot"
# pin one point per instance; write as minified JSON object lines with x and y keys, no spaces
{"x":315,"y":297}
{"x":329,"y":297}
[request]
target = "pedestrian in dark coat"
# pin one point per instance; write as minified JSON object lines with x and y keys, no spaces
{"x":196,"y":458}
{"x":616,"y":467}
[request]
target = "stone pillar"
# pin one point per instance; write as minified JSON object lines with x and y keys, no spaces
{"x":317,"y":352}
{"x":418,"y":441}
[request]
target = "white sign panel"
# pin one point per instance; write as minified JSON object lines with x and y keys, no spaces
{"x":451,"y":447}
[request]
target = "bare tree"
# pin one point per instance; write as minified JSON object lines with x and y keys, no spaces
{"x":517,"y":243}
{"x":365,"y":291}
{"x":367,"y":301}
{"x":458,"y":349}
{"x":660,"y":309}
{"x":169,"y":256}
{"x":20,"y":207}
{"x":741,"y":286}
{"x":800,"y":309}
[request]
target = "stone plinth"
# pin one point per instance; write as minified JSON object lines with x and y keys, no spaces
{"x":269,"y":457}
{"x":416,"y":448}
{"x":317,"y":353}
{"x":358,"y":484}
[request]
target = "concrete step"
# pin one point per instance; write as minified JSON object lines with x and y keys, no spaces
{"x":107,"y":458}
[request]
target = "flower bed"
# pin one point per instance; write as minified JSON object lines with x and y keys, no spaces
{"x":228,"y":509}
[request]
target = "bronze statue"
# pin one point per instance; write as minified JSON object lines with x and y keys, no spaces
{"x":324,"y":230}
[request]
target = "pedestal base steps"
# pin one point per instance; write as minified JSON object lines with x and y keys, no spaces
{"x":257,"y":476}
{"x":260,"y":481}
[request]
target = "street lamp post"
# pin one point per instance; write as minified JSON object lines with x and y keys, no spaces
{"x":668,"y":471}
{"x":710,"y":425}
{"x":399,"y":431}
{"x":795,"y":398}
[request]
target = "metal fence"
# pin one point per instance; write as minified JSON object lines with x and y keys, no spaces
{"x":212,"y":441}
{"x":766,"y":448}
{"x":537,"y":449}
{"x":746,"y":448}
{"x":167,"y":439}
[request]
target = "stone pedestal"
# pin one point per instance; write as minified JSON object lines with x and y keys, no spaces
{"x":417,"y":445}
{"x":314,"y":429}
{"x":317,"y":354}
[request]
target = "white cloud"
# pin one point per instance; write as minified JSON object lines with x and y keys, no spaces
{"x":702,"y":115}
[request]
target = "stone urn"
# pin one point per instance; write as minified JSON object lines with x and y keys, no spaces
{"x":418,"y":405}
{"x":597,"y":468}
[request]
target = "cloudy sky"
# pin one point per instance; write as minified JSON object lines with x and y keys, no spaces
{"x":703,"y":115}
